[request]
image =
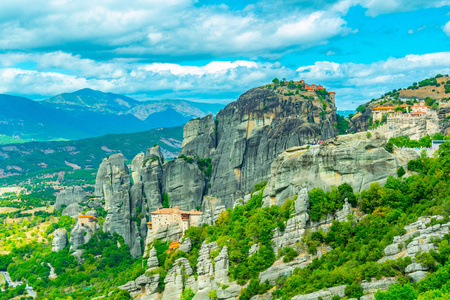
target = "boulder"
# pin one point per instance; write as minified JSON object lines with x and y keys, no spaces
{"x":153,"y":259}
{"x":186,"y":245}
{"x":59,"y":239}
{"x":417,"y":276}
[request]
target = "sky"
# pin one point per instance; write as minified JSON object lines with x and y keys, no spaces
{"x":213,"y":51}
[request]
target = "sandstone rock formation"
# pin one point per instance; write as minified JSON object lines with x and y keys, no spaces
{"x":59,"y":239}
{"x":83,"y":230}
{"x":145,"y":286}
{"x":73,"y":210}
{"x":253,"y":130}
{"x":70,"y":195}
{"x":354,"y":158}
{"x":419,"y":238}
{"x":112,"y":186}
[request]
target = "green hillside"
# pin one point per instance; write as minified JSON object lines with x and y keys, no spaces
{"x":45,"y":157}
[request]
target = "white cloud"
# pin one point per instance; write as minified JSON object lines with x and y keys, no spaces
{"x":361,"y":82}
{"x":378,"y":7}
{"x":447,"y":29}
{"x":162,"y":28}
{"x":163,"y":79}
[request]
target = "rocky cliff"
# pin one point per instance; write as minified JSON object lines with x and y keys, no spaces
{"x":113,"y":188}
{"x":444,"y":118}
{"x":358,"y":159}
{"x":242,"y":142}
{"x":251,"y":132}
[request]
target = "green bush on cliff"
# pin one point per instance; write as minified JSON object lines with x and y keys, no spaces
{"x":323,"y":203}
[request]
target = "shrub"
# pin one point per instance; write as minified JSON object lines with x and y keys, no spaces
{"x":187,"y":294}
{"x":400,"y":172}
{"x":389,"y":147}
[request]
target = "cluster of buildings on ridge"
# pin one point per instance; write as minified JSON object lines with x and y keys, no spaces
{"x":415,"y":110}
{"x":308,"y":87}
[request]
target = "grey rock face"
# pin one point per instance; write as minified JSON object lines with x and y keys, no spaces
{"x":414,"y":267}
{"x":422,"y":235}
{"x":174,"y":279}
{"x":326,"y":294}
{"x":172,"y":232}
{"x":113,"y":186}
{"x":444,"y":112}
{"x":375,"y":285}
{"x":145,"y":285}
{"x":82,"y":232}
{"x":59,"y":239}
{"x":69,"y":196}
{"x":184,"y":183}
{"x":252,"y":131}
{"x":186,"y":245}
{"x":73,"y":210}
{"x":253,"y":249}
{"x":417,"y":276}
{"x":355,"y":159}
{"x":152,"y":259}
{"x":199,"y":137}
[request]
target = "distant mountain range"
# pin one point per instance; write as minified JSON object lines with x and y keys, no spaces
{"x":89,"y":113}
{"x":26,"y":158}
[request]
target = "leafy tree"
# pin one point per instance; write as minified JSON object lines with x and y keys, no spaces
{"x":397,"y":292}
{"x":166,"y":202}
{"x":400,"y":172}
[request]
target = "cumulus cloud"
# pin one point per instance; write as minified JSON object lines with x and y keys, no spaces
{"x":131,"y":78}
{"x":447,"y":29}
{"x":152,"y":29}
{"x":361,"y":82}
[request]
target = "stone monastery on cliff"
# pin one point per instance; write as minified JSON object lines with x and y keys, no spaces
{"x":167,"y":216}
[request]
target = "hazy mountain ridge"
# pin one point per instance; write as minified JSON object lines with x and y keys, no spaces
{"x":23,"y":158}
{"x":87,"y":113}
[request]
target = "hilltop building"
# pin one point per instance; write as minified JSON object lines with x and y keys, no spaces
{"x":416,"y":110}
{"x":413,"y":120}
{"x":380,"y":111}
{"x":166,"y":216}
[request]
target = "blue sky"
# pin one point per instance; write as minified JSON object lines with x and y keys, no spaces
{"x":214,"y":51}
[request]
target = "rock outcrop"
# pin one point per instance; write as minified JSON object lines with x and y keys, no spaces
{"x":83,"y":230}
{"x":199,"y":137}
{"x":113,"y":187}
{"x":70,"y":195}
{"x":145,"y":286}
{"x":73,"y":210}
{"x":356,"y":159}
{"x":59,"y":239}
{"x":252,"y":131}
{"x":419,"y":238}
{"x":184,"y":183}
{"x":444,"y":113}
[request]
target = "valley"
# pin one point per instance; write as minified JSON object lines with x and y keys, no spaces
{"x":269,"y":199}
